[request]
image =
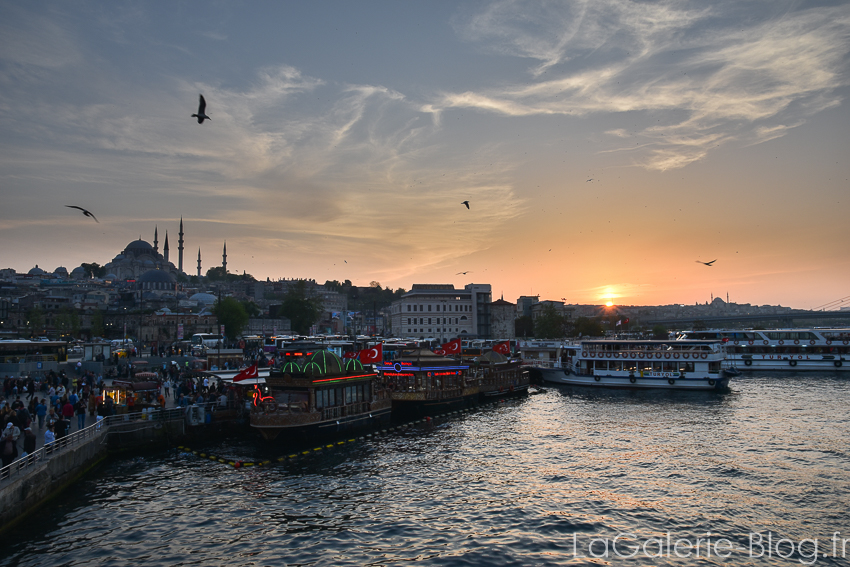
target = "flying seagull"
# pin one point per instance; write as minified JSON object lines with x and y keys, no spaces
{"x":707,"y":263}
{"x":463,"y":273}
{"x":85,"y":212}
{"x":465,"y":203}
{"x":201,"y":115}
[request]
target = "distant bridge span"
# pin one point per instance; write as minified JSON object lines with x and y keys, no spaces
{"x":786,"y":319}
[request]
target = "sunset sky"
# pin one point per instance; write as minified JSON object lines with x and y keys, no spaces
{"x":604,"y":146}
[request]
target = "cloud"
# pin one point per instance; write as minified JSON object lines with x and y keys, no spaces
{"x":717,"y":73}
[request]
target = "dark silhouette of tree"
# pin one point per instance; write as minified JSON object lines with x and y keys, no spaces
{"x":232,"y":315}
{"x":94,"y":270}
{"x":524,"y":326}
{"x":549,"y":324}
{"x":98,"y":328}
{"x":301,"y":307}
{"x":586,"y":327}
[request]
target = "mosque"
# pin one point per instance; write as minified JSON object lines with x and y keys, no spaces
{"x":152,"y":270}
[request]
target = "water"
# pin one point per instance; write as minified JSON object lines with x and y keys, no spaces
{"x":529,"y":482}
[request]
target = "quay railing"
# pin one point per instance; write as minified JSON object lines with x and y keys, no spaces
{"x":24,"y":465}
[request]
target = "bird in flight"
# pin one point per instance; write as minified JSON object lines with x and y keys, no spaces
{"x":85,"y":212}
{"x":201,"y":115}
{"x":707,"y":263}
{"x":463,"y":273}
{"x":465,"y":203}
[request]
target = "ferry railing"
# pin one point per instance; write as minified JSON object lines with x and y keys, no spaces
{"x":24,"y":465}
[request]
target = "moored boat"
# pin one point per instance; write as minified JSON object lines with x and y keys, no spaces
{"x":317,"y":396}
{"x":782,"y":349}
{"x":632,"y":363}
{"x":423,"y":383}
{"x":499,"y":376}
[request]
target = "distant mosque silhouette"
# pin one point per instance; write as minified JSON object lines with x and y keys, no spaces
{"x":139,"y":257}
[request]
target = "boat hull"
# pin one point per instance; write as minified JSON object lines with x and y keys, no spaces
{"x":518,"y":390}
{"x":294,"y":431}
{"x":415,"y":405}
{"x":667,"y":382}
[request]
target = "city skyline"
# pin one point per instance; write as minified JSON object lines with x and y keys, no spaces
{"x":605,"y":148}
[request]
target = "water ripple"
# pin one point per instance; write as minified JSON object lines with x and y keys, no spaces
{"x":530,"y":482}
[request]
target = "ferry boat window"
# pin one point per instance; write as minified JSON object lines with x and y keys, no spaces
{"x":408,"y":307}
{"x":429,"y":307}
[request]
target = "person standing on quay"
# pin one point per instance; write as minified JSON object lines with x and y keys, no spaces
{"x":68,"y":411}
{"x":49,"y":438}
{"x":41,"y":412}
{"x":29,"y":441}
{"x":81,"y":413}
{"x":9,"y":444}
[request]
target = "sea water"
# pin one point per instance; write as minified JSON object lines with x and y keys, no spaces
{"x":759,"y":475}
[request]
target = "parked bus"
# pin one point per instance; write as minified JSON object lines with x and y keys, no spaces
{"x":207,"y":340}
{"x":15,"y":351}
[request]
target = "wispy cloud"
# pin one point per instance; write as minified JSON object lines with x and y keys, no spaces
{"x":718,"y":78}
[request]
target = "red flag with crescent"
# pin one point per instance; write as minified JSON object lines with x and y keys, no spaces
{"x":452,"y":347}
{"x":439,"y":351}
{"x":250,"y":372}
{"x":371,"y":355}
{"x":503,"y":348}
{"x":351,"y":354}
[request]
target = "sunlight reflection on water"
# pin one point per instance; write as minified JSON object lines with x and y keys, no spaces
{"x":528,"y":482}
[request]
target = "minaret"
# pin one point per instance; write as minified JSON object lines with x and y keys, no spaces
{"x":224,"y":258}
{"x":165,"y":248}
{"x":199,"y":262}
{"x":155,"y":241}
{"x":180,"y":248}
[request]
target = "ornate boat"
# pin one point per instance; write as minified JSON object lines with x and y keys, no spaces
{"x":500,"y":376}
{"x":318,"y":395}
{"x":423,"y":383}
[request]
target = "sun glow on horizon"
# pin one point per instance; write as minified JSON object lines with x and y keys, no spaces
{"x":608,"y":295}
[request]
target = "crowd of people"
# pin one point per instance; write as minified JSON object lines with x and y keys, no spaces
{"x":49,"y":405}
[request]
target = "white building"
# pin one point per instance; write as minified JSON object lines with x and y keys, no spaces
{"x":443,"y":312}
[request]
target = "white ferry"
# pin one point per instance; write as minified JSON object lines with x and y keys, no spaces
{"x":782,"y":349}
{"x":632,"y":363}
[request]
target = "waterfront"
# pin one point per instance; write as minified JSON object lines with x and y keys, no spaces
{"x":527,"y":482}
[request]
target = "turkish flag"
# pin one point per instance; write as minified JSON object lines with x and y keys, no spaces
{"x":374,"y":354}
{"x":250,"y":372}
{"x":503,"y":348}
{"x":351,"y":354}
{"x":439,"y":351}
{"x":452,"y":347}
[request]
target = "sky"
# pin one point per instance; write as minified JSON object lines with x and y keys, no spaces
{"x":605,"y":147}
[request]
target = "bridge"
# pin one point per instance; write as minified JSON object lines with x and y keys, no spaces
{"x":786,"y":319}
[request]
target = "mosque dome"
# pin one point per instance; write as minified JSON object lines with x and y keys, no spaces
{"x":205,"y":298}
{"x":158,"y":280}
{"x":138,"y":248}
{"x":110,"y":277}
{"x":60,"y":271}
{"x":79,"y":273}
{"x":156,"y":276}
{"x":37,"y":271}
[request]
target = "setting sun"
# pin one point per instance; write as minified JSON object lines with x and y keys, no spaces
{"x":609,"y":303}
